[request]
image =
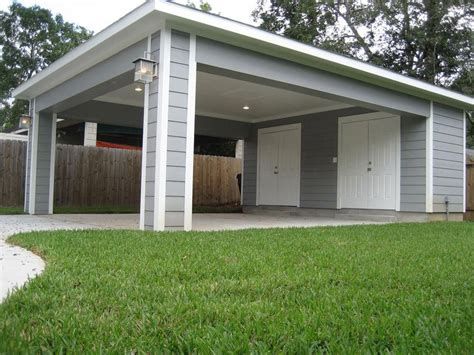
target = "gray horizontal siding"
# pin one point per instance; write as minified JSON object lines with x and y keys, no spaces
{"x":28,"y":168}
{"x":318,"y":146}
{"x":448,"y":158}
{"x":176,"y":134}
{"x":177,"y":130}
{"x":43,"y":162}
{"x":413,"y":164}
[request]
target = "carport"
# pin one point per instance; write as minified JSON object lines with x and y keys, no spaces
{"x":325,"y":135}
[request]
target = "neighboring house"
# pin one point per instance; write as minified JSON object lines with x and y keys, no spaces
{"x":75,"y":132}
{"x":323,"y":133}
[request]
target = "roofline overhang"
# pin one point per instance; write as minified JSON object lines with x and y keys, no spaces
{"x":153,"y":14}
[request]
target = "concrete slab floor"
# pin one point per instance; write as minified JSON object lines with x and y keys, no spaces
{"x":209,"y":221}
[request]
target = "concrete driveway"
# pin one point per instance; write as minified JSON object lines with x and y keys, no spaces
{"x":18,"y":265}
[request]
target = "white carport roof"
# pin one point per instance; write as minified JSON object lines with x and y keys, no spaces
{"x":153,"y":14}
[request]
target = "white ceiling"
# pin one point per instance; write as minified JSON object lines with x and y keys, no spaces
{"x":219,"y":96}
{"x":125,"y":96}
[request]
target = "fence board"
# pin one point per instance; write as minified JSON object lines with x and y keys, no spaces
{"x":90,"y":176}
{"x":12,"y":172}
{"x":215,"y":180}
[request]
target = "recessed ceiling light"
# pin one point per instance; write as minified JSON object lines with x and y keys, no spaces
{"x":246,"y":107}
{"x":138,"y":89}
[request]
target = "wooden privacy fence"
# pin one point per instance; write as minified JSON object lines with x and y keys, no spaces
{"x":12,"y":172}
{"x":90,"y":176}
{"x":215,"y":180}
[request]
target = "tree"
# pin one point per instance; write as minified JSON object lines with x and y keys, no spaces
{"x":31,"y":38}
{"x":427,"y":39}
{"x":203,"y":5}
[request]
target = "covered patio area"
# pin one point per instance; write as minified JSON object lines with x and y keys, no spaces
{"x":321,"y":132}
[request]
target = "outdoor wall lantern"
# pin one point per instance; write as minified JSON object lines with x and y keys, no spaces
{"x":145,"y":70}
{"x":25,"y":121}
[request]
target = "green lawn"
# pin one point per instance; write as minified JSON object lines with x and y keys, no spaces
{"x":95,"y":209}
{"x":394,"y":288}
{"x":10,"y":210}
{"x":118,"y":209}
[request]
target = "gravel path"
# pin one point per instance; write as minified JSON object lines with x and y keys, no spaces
{"x":18,"y":265}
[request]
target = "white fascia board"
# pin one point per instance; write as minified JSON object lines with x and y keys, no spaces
{"x":101,"y":46}
{"x":350,"y":67}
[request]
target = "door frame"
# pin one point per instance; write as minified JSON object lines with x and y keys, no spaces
{"x":260,"y":131}
{"x":368,"y":117}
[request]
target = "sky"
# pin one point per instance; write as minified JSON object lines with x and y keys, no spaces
{"x":95,"y":15}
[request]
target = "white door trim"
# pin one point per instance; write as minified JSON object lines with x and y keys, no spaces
{"x":294,"y":126}
{"x":464,"y":200}
{"x":368,"y":117}
{"x":34,"y":154}
{"x":162,"y":129}
{"x":52,"y":165}
{"x":146,"y":94}
{"x":429,"y":161}
{"x":190,"y":128}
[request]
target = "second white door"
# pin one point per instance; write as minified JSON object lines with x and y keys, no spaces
{"x":279,"y":165}
{"x":368,"y":163}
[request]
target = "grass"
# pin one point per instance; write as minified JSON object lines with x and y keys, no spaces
{"x":11,"y":210}
{"x":95,"y":209}
{"x":371,"y":289}
{"x":118,"y":209}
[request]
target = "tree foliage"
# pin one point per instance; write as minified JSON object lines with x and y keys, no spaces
{"x":430,"y":40}
{"x":31,"y":38}
{"x":203,"y":5}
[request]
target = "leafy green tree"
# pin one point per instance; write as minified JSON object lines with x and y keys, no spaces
{"x":427,"y":39}
{"x":31,"y":38}
{"x":203,"y":5}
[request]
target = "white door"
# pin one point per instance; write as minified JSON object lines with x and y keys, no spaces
{"x":353,"y":162}
{"x":268,"y":145}
{"x":279,"y":165}
{"x":382,"y":163}
{"x":368,"y":159}
{"x":288,"y":168}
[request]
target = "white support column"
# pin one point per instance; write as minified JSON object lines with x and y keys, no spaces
{"x":33,"y":130}
{"x":52,"y":164}
{"x":151,"y":139}
{"x":464,"y":201}
{"x":162,"y":129}
{"x":143,"y":189}
{"x":169,"y":135}
{"x":190,"y":127}
{"x":429,"y":161}
{"x":28,"y":160}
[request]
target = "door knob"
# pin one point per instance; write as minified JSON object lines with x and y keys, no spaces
{"x":369,"y":169}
